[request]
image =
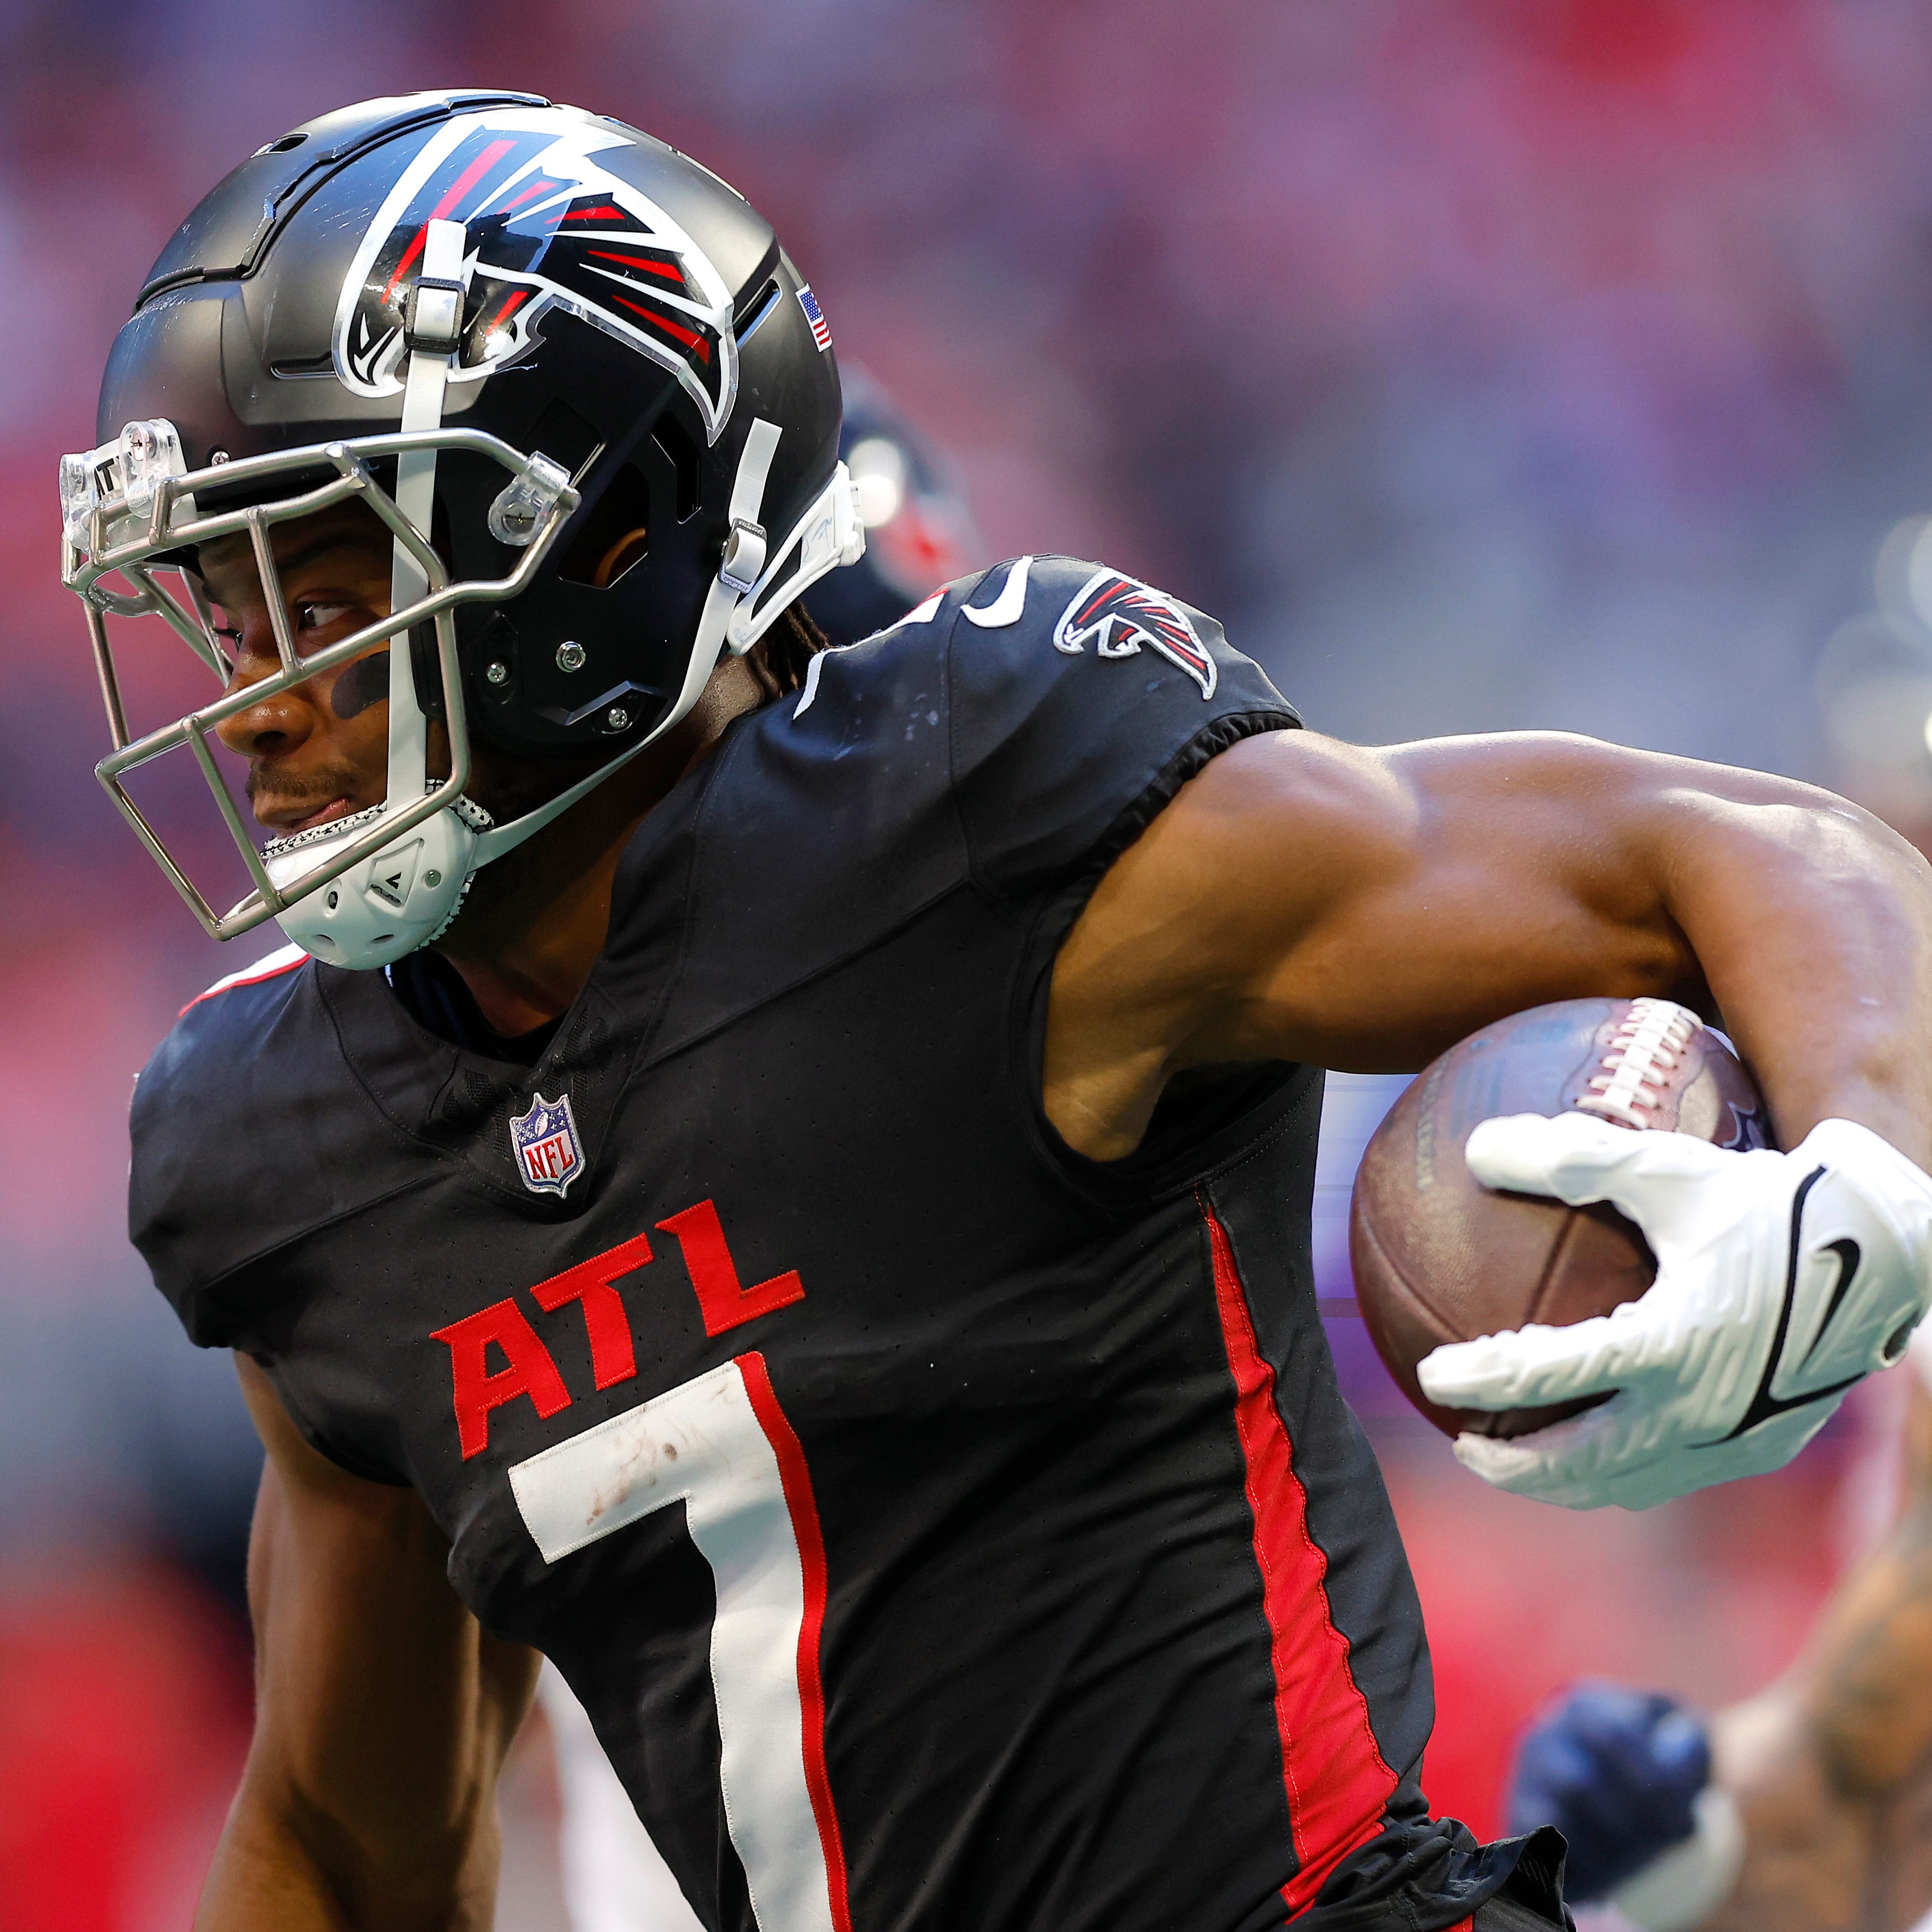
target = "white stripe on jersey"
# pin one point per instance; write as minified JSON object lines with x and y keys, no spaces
{"x":702,"y":1445}
{"x":281,"y":960}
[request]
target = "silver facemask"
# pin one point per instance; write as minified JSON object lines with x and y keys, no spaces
{"x":365,"y":890}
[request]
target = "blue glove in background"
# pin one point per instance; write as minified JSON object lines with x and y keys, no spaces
{"x":1615,"y":1771}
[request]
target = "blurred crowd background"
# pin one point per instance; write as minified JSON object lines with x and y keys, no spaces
{"x":1482,"y":363}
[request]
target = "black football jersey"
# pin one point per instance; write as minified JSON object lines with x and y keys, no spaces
{"x":945,"y":1532}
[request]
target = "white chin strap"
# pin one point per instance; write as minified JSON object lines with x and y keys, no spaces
{"x":407,"y":894}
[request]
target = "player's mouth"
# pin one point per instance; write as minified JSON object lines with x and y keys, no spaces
{"x":336,"y":808}
{"x":292,"y":807}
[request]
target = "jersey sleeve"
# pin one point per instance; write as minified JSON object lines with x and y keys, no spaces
{"x":1081,"y":700}
{"x":237,"y":1142}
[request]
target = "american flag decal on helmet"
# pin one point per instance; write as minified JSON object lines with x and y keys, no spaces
{"x":548,"y":228}
{"x":821,"y":329}
{"x":1121,"y":614}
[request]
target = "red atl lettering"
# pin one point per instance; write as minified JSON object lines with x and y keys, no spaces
{"x":478,"y":1389}
{"x":723,"y":1303}
{"x":612,"y":1358}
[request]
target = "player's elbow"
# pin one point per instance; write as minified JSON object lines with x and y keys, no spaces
{"x":398,"y":1869}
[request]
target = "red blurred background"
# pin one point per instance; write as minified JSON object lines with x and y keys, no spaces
{"x":1484,"y":363}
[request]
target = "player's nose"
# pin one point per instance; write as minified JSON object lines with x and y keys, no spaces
{"x":278,"y":721}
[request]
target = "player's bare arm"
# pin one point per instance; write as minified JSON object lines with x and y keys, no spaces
{"x":1802,"y":1809}
{"x":1831,"y":1767}
{"x":382,"y":1713}
{"x":1304,"y":899}
{"x":1309,"y":901}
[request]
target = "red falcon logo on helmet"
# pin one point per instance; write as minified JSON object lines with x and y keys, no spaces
{"x":547,"y":227}
{"x":1121,"y":614}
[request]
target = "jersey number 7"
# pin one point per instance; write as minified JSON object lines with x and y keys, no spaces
{"x":720,"y":1445}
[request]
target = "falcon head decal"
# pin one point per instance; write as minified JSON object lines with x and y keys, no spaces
{"x":1121,"y":614}
{"x":548,"y":228}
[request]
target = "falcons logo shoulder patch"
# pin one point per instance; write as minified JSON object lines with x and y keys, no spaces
{"x":1121,"y":614}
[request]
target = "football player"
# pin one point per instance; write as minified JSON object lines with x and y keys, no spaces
{"x":779,"y":1179}
{"x":1807,"y":1808}
{"x":919,"y":530}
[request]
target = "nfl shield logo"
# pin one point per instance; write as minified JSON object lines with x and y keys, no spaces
{"x":545,"y":1145}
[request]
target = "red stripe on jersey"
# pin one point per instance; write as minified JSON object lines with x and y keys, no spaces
{"x":1337,"y":1783}
{"x":804,"y":1511}
{"x":244,"y":978}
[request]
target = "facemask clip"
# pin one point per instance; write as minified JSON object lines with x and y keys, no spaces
{"x":523,"y":503}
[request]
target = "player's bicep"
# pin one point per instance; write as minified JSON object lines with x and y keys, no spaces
{"x":1516,"y":870}
{"x":383,"y":1709}
{"x":1365,"y":907}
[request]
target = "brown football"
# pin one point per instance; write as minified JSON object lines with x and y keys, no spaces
{"x":1440,"y":1257}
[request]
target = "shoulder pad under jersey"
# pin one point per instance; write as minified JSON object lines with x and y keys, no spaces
{"x":246,"y":1130}
{"x":1015,"y":729}
{"x":1048,"y":697}
{"x":1081,"y":700}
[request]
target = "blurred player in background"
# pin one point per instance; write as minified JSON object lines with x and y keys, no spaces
{"x":1807,"y":1808}
{"x":919,"y":528}
{"x":919,"y":534}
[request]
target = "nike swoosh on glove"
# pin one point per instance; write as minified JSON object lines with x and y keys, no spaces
{"x":1782,"y":1279}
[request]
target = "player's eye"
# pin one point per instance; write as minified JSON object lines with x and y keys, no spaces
{"x":319,"y":617}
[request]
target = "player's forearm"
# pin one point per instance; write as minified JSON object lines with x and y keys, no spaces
{"x":1812,"y":924}
{"x":1806,"y":1850}
{"x":1863,"y":1685}
{"x":283,"y":1865}
{"x":1815,"y":1762}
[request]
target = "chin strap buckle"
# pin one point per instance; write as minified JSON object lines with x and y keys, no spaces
{"x":432,"y":318}
{"x":744,"y":556}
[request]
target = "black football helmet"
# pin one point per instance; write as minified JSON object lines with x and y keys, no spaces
{"x":523,"y":334}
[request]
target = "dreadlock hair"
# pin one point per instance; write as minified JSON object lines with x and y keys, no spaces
{"x":780,"y":657}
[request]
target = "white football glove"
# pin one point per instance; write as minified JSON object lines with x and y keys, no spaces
{"x":1782,"y":1279}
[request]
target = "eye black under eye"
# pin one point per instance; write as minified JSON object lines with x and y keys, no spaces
{"x":361,"y":684}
